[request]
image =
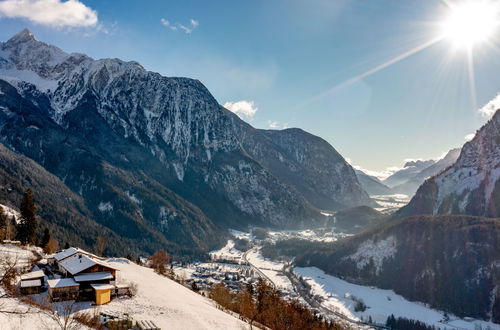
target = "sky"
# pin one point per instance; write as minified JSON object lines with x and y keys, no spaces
{"x":321,"y":65}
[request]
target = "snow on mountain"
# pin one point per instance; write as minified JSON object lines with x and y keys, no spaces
{"x":180,"y":137}
{"x":410,"y":186}
{"x":471,"y":185}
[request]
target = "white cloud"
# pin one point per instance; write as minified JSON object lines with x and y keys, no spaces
{"x":469,"y":137}
{"x":276,"y":125}
{"x":244,"y":109}
{"x":188,"y":29}
{"x":164,"y":21}
{"x":491,"y":107}
{"x":381,"y":175}
{"x":57,"y":13}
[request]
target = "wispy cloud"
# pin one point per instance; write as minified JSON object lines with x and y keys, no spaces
{"x":276,"y":125}
{"x":55,"y":13}
{"x":491,"y":107}
{"x":187,"y":28}
{"x":244,"y":109}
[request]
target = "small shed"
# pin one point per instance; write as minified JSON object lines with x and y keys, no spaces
{"x":32,"y":282}
{"x":63,"y":289}
{"x":102,"y":293}
{"x":31,"y":287}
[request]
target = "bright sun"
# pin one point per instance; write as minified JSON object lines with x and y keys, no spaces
{"x":471,"y":22}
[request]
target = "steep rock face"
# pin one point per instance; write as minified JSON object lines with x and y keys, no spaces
{"x":470,"y":185}
{"x":450,"y":262}
{"x":95,"y":115}
{"x":310,"y":165}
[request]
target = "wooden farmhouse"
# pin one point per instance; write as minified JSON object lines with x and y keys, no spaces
{"x":77,"y":275}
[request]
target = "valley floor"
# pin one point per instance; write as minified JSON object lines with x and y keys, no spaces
{"x":339,"y":296}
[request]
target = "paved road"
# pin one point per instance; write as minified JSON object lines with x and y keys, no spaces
{"x":257,"y":270}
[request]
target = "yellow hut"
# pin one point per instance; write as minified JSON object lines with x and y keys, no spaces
{"x":102,"y":293}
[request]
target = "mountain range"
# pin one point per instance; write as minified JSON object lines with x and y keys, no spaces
{"x":409,"y":178}
{"x":443,"y":247}
{"x":152,"y":155}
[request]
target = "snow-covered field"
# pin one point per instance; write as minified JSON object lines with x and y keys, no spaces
{"x":381,"y":303}
{"x":389,"y":203}
{"x":227,"y":252}
{"x":159,"y":299}
{"x":167,"y":303}
{"x":307,"y":234}
{"x":272,"y":269}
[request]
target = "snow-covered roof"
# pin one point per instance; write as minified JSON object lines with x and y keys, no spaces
{"x":32,"y":275}
{"x":32,"y":283}
{"x":79,"y":263}
{"x":72,"y":251}
{"x":65,"y":253}
{"x":86,"y":277}
{"x":102,"y":286}
{"x":62,"y":282}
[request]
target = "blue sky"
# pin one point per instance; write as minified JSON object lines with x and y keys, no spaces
{"x":284,"y":58}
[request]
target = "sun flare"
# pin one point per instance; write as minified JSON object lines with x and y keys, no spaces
{"x":472,"y":22}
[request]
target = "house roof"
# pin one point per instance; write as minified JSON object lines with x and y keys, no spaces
{"x":62,"y":282}
{"x":32,"y":275}
{"x":32,"y":283}
{"x":78,"y":263}
{"x":97,"y":276}
{"x":102,"y":286}
{"x":65,"y":253}
{"x":72,"y":251}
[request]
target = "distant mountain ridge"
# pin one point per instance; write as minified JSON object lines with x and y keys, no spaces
{"x":140,"y":147}
{"x":471,"y":185}
{"x":372,"y":184}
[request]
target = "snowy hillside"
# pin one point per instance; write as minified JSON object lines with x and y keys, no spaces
{"x":159,"y":299}
{"x":167,"y":303}
{"x":471,"y":185}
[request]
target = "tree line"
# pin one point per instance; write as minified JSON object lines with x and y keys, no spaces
{"x":25,"y":228}
{"x":264,"y":305}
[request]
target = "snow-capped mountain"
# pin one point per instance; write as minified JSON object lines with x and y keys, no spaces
{"x":409,"y":170}
{"x":471,"y":185}
{"x":410,"y":186}
{"x":121,"y":136}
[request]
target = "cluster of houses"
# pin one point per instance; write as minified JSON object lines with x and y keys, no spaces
{"x":233,"y":275}
{"x":74,"y":274}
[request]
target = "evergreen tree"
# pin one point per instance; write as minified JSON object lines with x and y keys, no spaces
{"x":27,"y":227}
{"x":45,"y":238}
{"x":66,"y":246}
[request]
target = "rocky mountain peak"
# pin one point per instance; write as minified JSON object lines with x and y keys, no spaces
{"x":21,"y":37}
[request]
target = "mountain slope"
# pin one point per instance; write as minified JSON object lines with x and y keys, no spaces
{"x":449,"y":262}
{"x":470,"y":185}
{"x":58,"y":207}
{"x":372,"y":185}
{"x":145,"y":150}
